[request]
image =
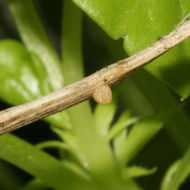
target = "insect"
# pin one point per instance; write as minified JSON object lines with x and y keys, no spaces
{"x":102,"y":94}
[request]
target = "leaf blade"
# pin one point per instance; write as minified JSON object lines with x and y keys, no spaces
{"x":36,"y":162}
{"x":180,"y":171}
{"x":35,"y":38}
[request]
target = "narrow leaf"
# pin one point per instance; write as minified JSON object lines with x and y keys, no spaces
{"x":169,"y":175}
{"x":72,"y":42}
{"x":52,"y":144}
{"x":180,"y":171}
{"x":37,"y":163}
{"x":131,"y":184}
{"x":9,"y":177}
{"x":136,"y":171}
{"x":34,"y":184}
{"x":156,"y":100}
{"x":123,"y":123}
{"x":137,"y":138}
{"x":77,"y":169}
{"x":103,"y":117}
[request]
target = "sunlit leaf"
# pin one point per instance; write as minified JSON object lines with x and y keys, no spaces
{"x":109,"y":14}
{"x":169,"y":175}
{"x":137,"y":171}
{"x":146,"y":21}
{"x":52,"y":144}
{"x":34,"y":184}
{"x":145,"y":102}
{"x":125,"y":120}
{"x":20,"y":79}
{"x":72,"y":42}
{"x":35,"y":38}
{"x":103,"y":117}
{"x":131,"y":184}
{"x":37,"y":163}
{"x":177,"y":173}
{"x":24,"y":78}
{"x":140,"y":23}
{"x":138,"y":137}
{"x":77,"y":169}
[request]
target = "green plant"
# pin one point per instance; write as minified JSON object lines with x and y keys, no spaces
{"x":98,"y":147}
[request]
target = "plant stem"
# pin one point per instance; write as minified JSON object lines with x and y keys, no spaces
{"x":19,"y":116}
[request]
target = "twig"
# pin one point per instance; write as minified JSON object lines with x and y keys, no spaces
{"x":18,"y":116}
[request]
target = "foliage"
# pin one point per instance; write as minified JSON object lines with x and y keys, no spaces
{"x":100,"y":148}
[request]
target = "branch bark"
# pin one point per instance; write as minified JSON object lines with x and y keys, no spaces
{"x":18,"y":116}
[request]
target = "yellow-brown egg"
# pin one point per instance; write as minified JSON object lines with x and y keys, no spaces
{"x":103,"y":94}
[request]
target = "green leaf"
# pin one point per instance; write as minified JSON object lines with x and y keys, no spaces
{"x":169,"y":175}
{"x":103,"y":116}
{"x":131,"y":184}
{"x":24,"y":78}
{"x":72,"y":42}
{"x":123,"y":123}
{"x":177,"y":173}
{"x":137,"y":171}
{"x":150,"y":20}
{"x":77,"y":169}
{"x":138,"y":137}
{"x":140,"y":24}
{"x":137,"y":95}
{"x":38,"y":163}
{"x":80,"y":115}
{"x":156,"y":100}
{"x":35,"y":38}
{"x":9,"y":177}
{"x":72,"y":143}
{"x":34,"y":184}
{"x":52,"y":144}
{"x":109,"y":14}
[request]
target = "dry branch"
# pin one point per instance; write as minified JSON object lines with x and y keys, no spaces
{"x":18,"y":116}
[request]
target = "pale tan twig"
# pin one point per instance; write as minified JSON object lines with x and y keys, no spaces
{"x":19,"y":116}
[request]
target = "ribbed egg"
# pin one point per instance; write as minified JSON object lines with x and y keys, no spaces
{"x":103,"y":94}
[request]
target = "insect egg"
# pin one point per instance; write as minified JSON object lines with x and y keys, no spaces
{"x":102,"y":94}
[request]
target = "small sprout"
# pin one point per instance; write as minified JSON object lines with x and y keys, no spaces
{"x":103,"y":94}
